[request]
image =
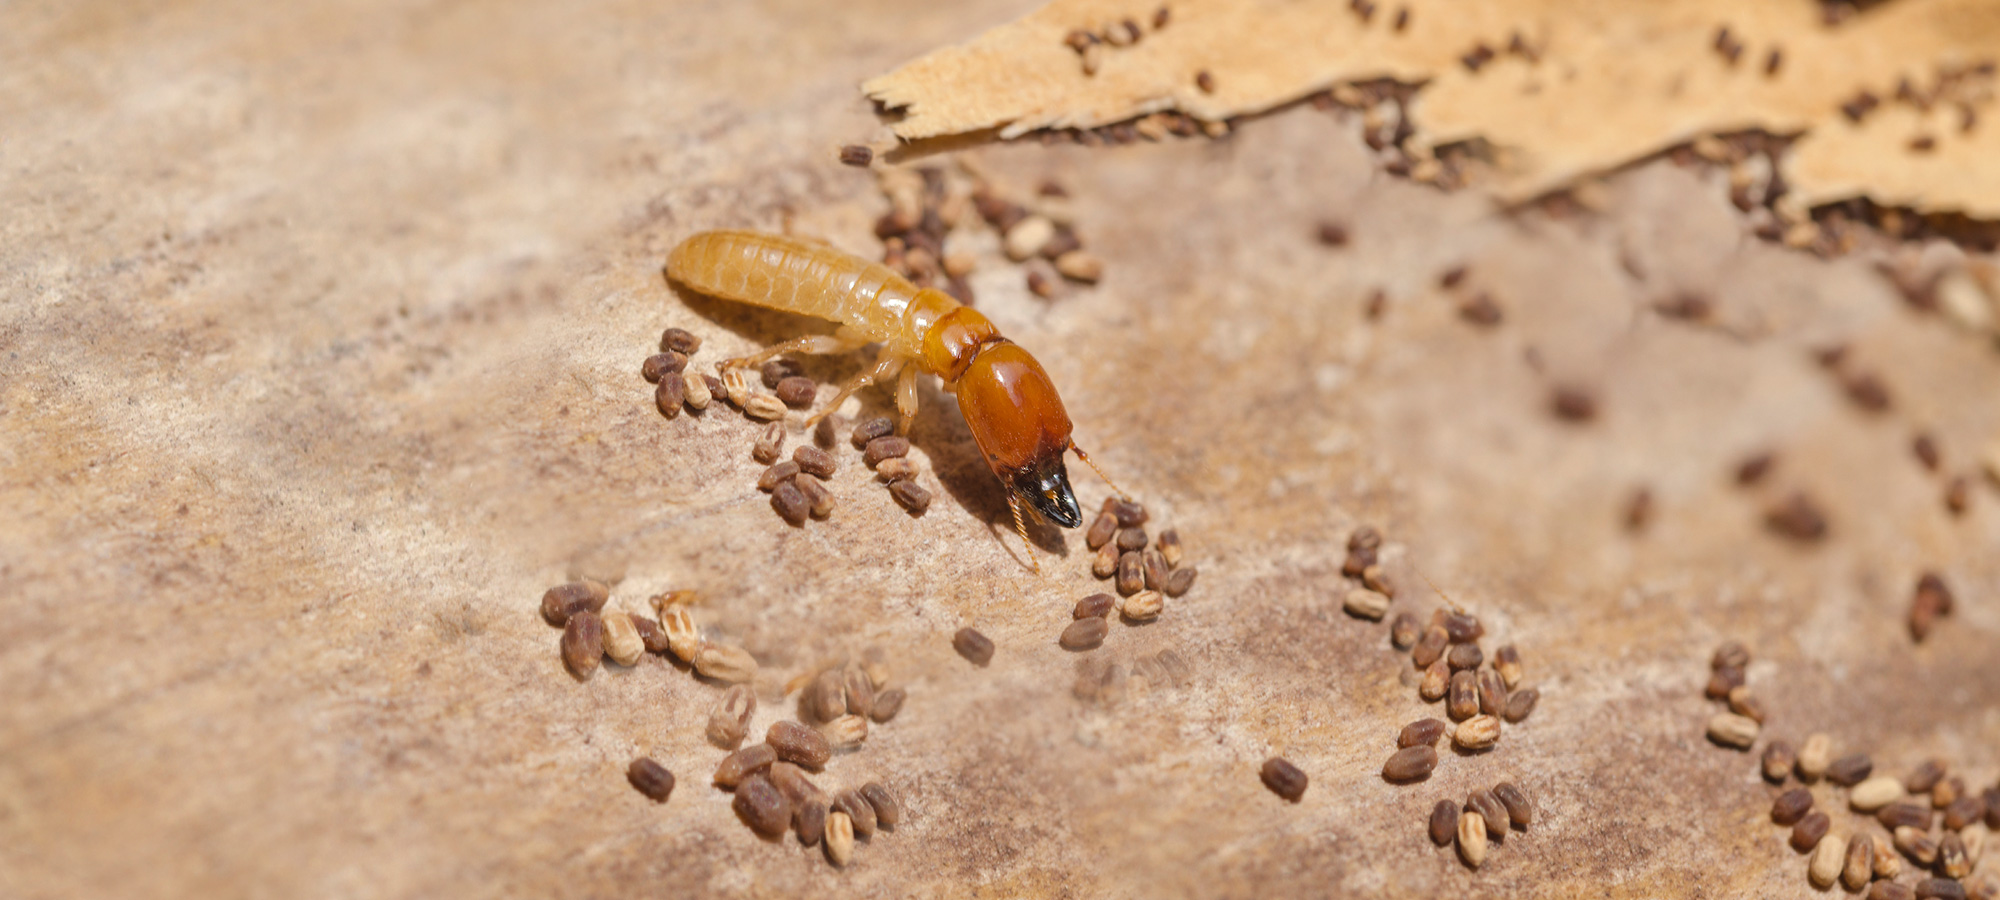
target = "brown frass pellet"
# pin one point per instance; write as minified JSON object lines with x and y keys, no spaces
{"x":1430,"y":647}
{"x":1283,"y":778}
{"x":1101,"y":531}
{"x":826,"y":697}
{"x":1154,"y":567}
{"x":1131,"y":574}
{"x":1791,"y":806}
{"x":1181,"y":579}
{"x":809,"y":820}
{"x":1169,"y":544}
{"x":858,"y":811}
{"x":1992,"y":797}
{"x":779,"y":369}
{"x":1481,"y":310}
{"x":1464,"y":656}
{"x":796,"y":743}
{"x":1204,"y":82}
{"x":886,"y":447}
{"x":777,"y":474}
{"x":565,"y":600}
{"x":790,"y":503}
{"x":583,"y":643}
{"x":911,"y":497}
{"x":1722,"y":681}
{"x":1520,"y":811}
{"x":1731,"y":655}
{"x":975,"y":647}
{"x":761,"y":807}
{"x":1410,"y":764}
{"x":814,"y":461}
{"x":894,"y":469}
{"x":1891,"y":890}
{"x":680,"y":340}
{"x":650,"y":778}
{"x":1435,"y":683}
{"x":1964,"y":811}
{"x":867,"y":431}
{"x":650,"y":634}
{"x":819,"y":500}
{"x":1130,"y":514}
{"x":1492,"y":693}
{"x":887,"y":705}
{"x":660,"y":364}
{"x":1489,"y":808}
{"x":796,"y":391}
{"x":1444,"y":822}
{"x":743,"y":763}
{"x":1797,"y":517}
{"x":1421,"y":733}
{"x":1085,"y":634}
{"x":888,"y":812}
{"x":856,"y":155}
{"x":1905,"y":814}
{"x":1924,"y":777}
{"x":1462,"y":697}
{"x":1850,"y":770}
{"x":1940,"y":889}
{"x":1463,"y":628}
{"x":1094,"y":606}
{"x":1520,"y":704}
{"x":1131,"y":540}
{"x":1779,"y":757}
{"x":1807,"y":833}
{"x":671,"y":393}
{"x":1403,"y":631}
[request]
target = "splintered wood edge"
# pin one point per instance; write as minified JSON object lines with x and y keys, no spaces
{"x":1605,"y":85}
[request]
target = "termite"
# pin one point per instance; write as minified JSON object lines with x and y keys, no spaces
{"x":1008,"y":401}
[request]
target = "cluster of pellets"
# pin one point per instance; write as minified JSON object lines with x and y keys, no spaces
{"x":1485,"y":819}
{"x":772,"y":781}
{"x":927,"y":204}
{"x":888,"y":453}
{"x":590,"y":634}
{"x":1092,"y":45}
{"x":1447,"y":650}
{"x":1927,"y":825}
{"x":1143,"y":576}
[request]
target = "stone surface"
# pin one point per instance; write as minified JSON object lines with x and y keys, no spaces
{"x":321,"y":327}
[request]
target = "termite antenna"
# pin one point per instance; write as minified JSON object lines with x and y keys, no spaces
{"x":1100,"y":472}
{"x":1021,"y":528}
{"x":1440,"y":591}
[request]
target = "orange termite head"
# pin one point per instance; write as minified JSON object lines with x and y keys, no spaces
{"x":1014,"y":414}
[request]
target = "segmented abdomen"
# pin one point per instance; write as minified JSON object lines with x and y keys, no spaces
{"x":785,"y":273}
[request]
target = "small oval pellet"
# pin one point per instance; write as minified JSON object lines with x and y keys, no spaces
{"x":1283,"y":778}
{"x":1444,"y":822}
{"x":1410,"y":764}
{"x":762,"y":807}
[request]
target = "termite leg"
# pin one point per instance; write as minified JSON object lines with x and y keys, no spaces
{"x":906,"y":399}
{"x":1100,"y":472}
{"x":886,"y":365}
{"x":1021,"y":528}
{"x":841,"y":341}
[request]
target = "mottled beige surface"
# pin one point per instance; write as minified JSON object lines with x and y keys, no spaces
{"x":321,"y":326}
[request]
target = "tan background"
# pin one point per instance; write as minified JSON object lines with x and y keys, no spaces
{"x":321,"y":325}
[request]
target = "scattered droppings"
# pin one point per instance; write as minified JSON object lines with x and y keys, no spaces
{"x":975,"y":647}
{"x":1285,"y":779}
{"x":583,"y":643}
{"x":650,"y":778}
{"x":856,"y":155}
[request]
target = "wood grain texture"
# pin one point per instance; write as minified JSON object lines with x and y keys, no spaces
{"x":321,"y":327}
